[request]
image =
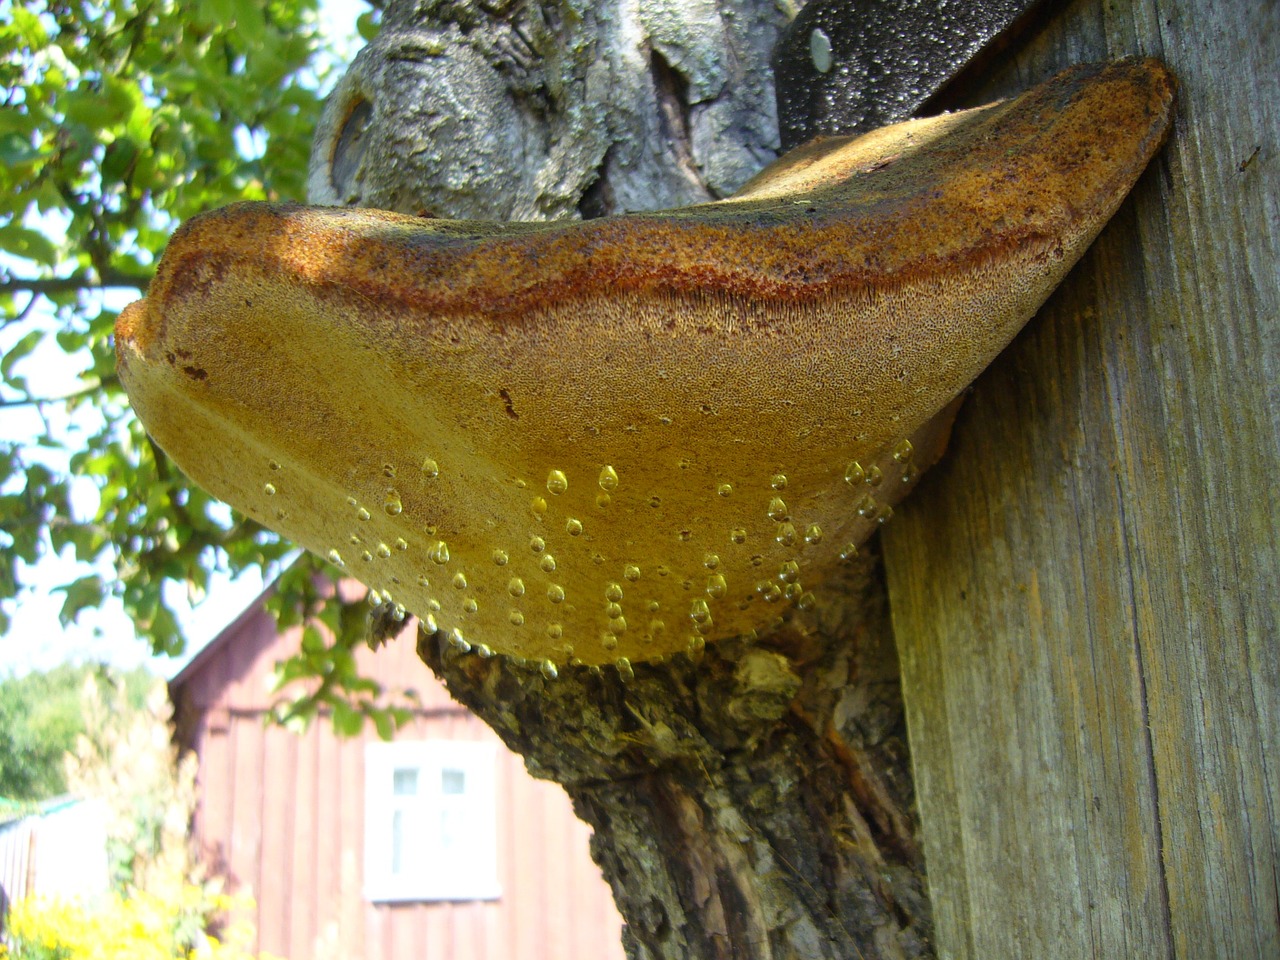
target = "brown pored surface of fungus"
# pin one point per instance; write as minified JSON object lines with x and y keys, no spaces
{"x":631,"y":436}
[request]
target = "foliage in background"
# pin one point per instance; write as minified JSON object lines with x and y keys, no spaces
{"x":40,"y":719}
{"x":160,"y":906}
{"x":143,"y":926}
{"x":126,"y":757}
{"x":119,"y":120}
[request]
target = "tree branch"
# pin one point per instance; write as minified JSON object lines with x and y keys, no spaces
{"x":74,"y":395}
{"x":81,"y":280}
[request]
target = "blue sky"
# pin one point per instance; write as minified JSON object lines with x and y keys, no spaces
{"x":36,"y":640}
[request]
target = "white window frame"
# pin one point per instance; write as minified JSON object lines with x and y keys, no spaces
{"x":448,"y":843}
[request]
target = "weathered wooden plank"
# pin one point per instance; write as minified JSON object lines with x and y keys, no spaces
{"x":1085,"y":591}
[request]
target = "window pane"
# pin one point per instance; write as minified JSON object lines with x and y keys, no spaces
{"x":397,"y":840}
{"x":453,"y":781}
{"x":405,"y":782}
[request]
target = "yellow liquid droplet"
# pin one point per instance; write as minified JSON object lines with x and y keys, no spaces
{"x":460,"y":581}
{"x":789,"y":572}
{"x":516,"y":618}
{"x":696,"y":648}
{"x":903,"y":451}
{"x":778,"y":481}
{"x":548,"y":669}
{"x":716,"y":586}
{"x":430,"y":469}
{"x":269,"y":489}
{"x":613,"y":592}
{"x":777,"y":509}
{"x":384,"y":551}
{"x":699,"y":612}
{"x":618,"y":626}
{"x":874,"y":476}
{"x":402,"y":543}
{"x":557,"y":482}
{"x":336,"y":558}
{"x":500,"y":558}
{"x":785,"y":534}
{"x":515,"y":587}
{"x":725,"y":490}
{"x":548,"y":564}
{"x":440,"y":552}
{"x":853,"y":473}
{"x":555,"y":593}
{"x":537,"y":544}
{"x":362,"y":514}
{"x":631,"y":572}
{"x":812,"y":533}
{"x":608,"y":479}
{"x":273,"y":464}
{"x":625,"y":673}
{"x":392,"y":505}
{"x":738,"y":535}
{"x":573,"y":527}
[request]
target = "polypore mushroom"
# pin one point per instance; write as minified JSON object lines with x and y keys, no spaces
{"x":629,"y":436}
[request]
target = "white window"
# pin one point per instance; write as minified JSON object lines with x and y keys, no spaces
{"x":430,"y":821}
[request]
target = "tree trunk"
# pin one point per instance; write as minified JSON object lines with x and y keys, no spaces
{"x":1084,"y":592}
{"x":759,"y":803}
{"x":752,"y":804}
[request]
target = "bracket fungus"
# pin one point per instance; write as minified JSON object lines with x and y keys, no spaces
{"x":626,"y":437}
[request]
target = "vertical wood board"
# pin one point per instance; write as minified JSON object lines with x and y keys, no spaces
{"x":1085,"y":592}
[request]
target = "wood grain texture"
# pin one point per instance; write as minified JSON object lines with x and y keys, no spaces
{"x":1084,"y":592}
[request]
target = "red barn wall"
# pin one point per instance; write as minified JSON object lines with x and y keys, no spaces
{"x":281,"y":815}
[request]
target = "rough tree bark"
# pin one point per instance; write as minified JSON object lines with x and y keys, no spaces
{"x":757,"y":803}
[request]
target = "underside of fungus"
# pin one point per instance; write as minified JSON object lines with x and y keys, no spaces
{"x":627,"y":437}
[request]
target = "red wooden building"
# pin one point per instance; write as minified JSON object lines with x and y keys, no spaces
{"x":438,"y":845}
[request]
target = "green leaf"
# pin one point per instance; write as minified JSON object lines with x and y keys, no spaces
{"x":347,"y":721}
{"x":85,"y":592}
{"x":17,"y":149}
{"x":17,"y":352}
{"x":119,"y":160}
{"x":20,"y":241}
{"x":368,"y":24}
{"x":312,"y":641}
